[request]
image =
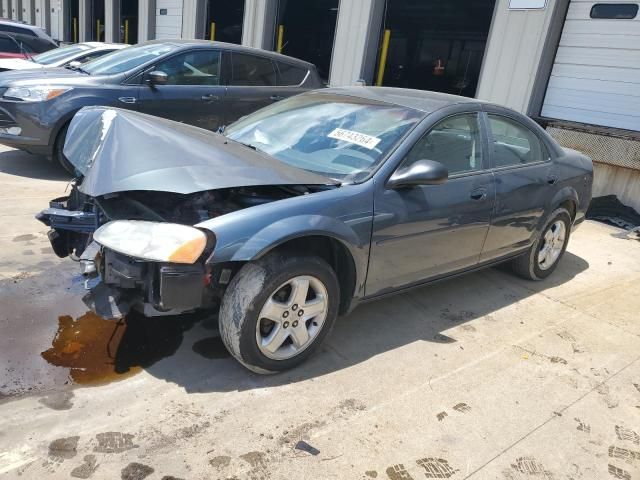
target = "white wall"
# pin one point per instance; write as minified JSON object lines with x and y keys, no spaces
{"x":169,"y":25}
{"x":514,"y":48}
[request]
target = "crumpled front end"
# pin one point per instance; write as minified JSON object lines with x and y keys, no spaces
{"x":154,"y":288}
{"x":148,"y":181}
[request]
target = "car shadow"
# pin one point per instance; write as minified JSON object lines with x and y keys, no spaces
{"x":23,"y":164}
{"x":201,"y":364}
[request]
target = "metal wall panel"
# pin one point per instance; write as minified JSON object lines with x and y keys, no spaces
{"x":596,"y":73}
{"x":169,"y":23}
{"x":514,"y":49}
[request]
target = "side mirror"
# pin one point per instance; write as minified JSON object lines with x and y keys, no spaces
{"x":422,"y":172}
{"x":157,"y":77}
{"x":75,"y":64}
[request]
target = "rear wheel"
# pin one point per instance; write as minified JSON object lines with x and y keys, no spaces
{"x":544,"y":255}
{"x":278,"y":310}
{"x":58,"y":154}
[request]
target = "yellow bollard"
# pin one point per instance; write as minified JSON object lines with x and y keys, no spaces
{"x":280,"y":38}
{"x":213,"y":31}
{"x":98,"y":30}
{"x":75,"y":30}
{"x":126,"y":31}
{"x":383,"y":57}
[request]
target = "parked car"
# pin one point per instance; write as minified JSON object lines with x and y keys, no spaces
{"x":21,"y":28}
{"x":306,"y":208}
{"x":62,"y":56}
{"x":207,"y":84}
{"x":18,"y":46}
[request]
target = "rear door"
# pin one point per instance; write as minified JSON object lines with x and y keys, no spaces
{"x":253,"y":85}
{"x":194,"y":91}
{"x":525,"y":183}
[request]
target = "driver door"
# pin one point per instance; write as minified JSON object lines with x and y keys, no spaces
{"x":428,"y":231}
{"x":194,"y":92}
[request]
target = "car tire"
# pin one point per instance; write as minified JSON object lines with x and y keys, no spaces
{"x":262,"y":320}
{"x":58,"y":154}
{"x":544,"y":255}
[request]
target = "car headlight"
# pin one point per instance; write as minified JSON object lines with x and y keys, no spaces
{"x":160,"y":242}
{"x":35,"y":94}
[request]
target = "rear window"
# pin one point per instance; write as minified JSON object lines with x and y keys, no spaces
{"x":615,"y":11}
{"x":250,"y":70}
{"x":290,"y":74}
{"x":57,"y":54}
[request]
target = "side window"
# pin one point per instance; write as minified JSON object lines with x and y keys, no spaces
{"x":8,"y":46}
{"x":290,"y":75}
{"x":250,"y":70}
{"x":513,"y":143}
{"x":201,"y":67}
{"x":455,"y":142}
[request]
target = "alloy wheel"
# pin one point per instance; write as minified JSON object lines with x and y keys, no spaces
{"x":552,"y":245}
{"x":292,"y":317}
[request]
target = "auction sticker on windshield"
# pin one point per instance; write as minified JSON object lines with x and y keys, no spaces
{"x":361,"y":139}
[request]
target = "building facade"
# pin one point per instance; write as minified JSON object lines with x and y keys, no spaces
{"x":574,"y":65}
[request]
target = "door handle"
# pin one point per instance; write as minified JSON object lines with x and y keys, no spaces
{"x":275,"y":98}
{"x":128,"y":100}
{"x":210,"y":97}
{"x":478,"y":194}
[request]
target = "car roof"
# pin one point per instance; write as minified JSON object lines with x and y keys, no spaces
{"x":26,"y":26}
{"x":421,"y":100}
{"x":104,"y":45}
{"x":190,"y":43}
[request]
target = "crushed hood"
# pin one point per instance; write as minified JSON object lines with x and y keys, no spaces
{"x":119,"y":150}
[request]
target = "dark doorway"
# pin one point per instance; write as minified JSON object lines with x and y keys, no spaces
{"x":97,"y":20}
{"x":224,"y":20}
{"x":305,"y":29}
{"x":129,"y":21}
{"x":73,"y":15}
{"x":434,"y":45}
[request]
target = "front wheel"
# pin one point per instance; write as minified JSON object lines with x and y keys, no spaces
{"x":58,"y":154}
{"x":545,"y":253}
{"x":278,"y":310}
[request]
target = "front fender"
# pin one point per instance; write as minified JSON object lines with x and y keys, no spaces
{"x":344,"y":214}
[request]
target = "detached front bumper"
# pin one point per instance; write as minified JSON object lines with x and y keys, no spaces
{"x":153,"y":288}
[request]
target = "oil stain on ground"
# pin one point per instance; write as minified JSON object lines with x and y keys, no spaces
{"x":98,"y":351}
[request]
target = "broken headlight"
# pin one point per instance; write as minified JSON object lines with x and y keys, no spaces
{"x":160,"y":242}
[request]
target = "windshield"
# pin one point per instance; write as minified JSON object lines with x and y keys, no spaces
{"x":341,"y":137}
{"x":127,"y":58}
{"x":57,"y":54}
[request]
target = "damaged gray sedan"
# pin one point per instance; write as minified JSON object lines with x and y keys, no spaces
{"x":302,"y":210}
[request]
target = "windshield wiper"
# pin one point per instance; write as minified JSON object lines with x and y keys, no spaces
{"x":77,"y":69}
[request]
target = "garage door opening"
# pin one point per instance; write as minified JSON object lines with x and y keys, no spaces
{"x":96,"y":30}
{"x":129,"y":21}
{"x":224,"y":21}
{"x":434,"y":45}
{"x":305,"y":29}
{"x":73,"y":14}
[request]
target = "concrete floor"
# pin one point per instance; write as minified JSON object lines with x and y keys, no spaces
{"x":487,"y":376}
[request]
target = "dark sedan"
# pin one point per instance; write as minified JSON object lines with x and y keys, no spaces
{"x":306,"y":208}
{"x":206,"y":84}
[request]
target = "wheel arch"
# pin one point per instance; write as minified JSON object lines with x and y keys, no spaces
{"x":566,"y":198}
{"x":331,"y":250}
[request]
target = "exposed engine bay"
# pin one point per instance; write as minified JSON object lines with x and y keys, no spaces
{"x":74,"y":218}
